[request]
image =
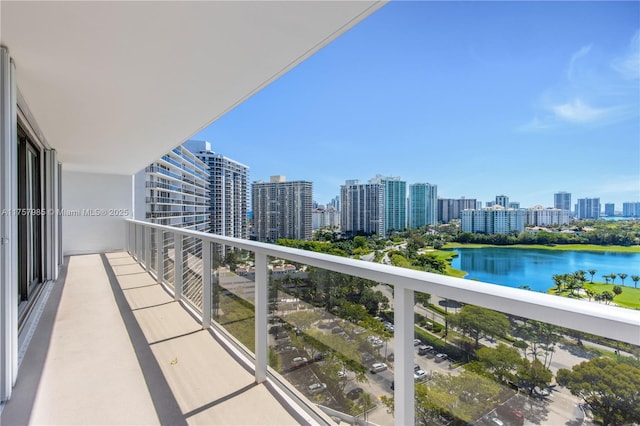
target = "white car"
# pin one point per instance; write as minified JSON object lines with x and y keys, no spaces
{"x":378,"y":367}
{"x":441,"y":357}
{"x":316,"y":387}
{"x":419,"y":375}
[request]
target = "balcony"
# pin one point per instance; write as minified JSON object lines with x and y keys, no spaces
{"x":265,"y":315}
{"x":113,"y":347}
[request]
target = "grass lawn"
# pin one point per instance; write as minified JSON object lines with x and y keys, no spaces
{"x":559,"y":247}
{"x":630,"y":296}
{"x":447,"y":256}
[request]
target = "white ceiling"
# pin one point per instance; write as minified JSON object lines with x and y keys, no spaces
{"x":115,"y":84}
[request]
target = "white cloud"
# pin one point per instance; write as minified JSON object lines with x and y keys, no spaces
{"x":577,"y":111}
{"x":582,"y":52}
{"x":628,"y":66}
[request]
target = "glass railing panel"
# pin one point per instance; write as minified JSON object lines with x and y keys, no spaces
{"x":478,"y":366}
{"x":153,"y":241}
{"x":192,"y":270}
{"x":233,"y":292}
{"x":169,"y":257}
{"x":325,"y":339}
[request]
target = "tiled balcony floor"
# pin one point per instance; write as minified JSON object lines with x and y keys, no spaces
{"x":112,"y":347}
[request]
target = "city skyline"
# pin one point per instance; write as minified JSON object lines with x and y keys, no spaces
{"x":522,"y":99}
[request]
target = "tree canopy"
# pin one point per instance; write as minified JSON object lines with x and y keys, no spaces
{"x":611,"y":389}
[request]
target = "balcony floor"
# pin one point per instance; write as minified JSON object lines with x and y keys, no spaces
{"x":112,"y":347}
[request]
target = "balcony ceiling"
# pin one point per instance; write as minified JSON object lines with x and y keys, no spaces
{"x":114,"y":85}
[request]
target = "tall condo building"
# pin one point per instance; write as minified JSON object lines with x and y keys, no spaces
{"x":395,"y":202}
{"x":588,"y":208}
{"x":562,"y":200}
{"x":362,"y":208}
{"x":493,"y":220}
{"x":630,"y":209}
{"x":450,"y":208}
{"x":539,"y":216}
{"x":610,"y":209}
{"x":502,"y":200}
{"x":174,"y":191}
{"x":228,"y":191}
{"x":423,"y":204}
{"x":282,"y":209}
{"x":326,"y":218}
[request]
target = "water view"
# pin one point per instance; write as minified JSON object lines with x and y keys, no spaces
{"x":515,"y":267}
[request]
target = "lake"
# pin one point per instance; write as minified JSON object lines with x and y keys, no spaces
{"x":514,"y":267}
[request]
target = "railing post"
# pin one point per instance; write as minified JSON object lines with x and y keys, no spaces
{"x":206,"y":284}
{"x":403,"y":359}
{"x":177,"y":268}
{"x":139,"y":242}
{"x":262,"y":309}
{"x":147,"y":248}
{"x":160,"y":255}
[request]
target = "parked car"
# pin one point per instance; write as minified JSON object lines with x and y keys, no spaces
{"x":316,"y":387}
{"x":417,"y":342}
{"x":431,"y":353}
{"x":422,"y":350}
{"x":342,"y":374}
{"x":355,"y":393}
{"x":441,"y":357}
{"x":299,"y":361}
{"x":378,"y":367}
{"x":419,"y":375}
{"x":416,"y":367}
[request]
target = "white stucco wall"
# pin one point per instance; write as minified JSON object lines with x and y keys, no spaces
{"x":102,"y":202}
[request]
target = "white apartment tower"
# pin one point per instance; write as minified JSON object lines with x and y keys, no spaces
{"x":493,"y":220}
{"x":362,"y":207}
{"x":174,"y":191}
{"x":282,"y":209}
{"x":228,"y":190}
{"x":588,"y":208}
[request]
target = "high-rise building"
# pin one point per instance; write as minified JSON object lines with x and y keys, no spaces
{"x":174,"y":191}
{"x":423,"y":205}
{"x":609,"y":209}
{"x":449,"y":208}
{"x":502,"y":200}
{"x":282,"y":209}
{"x":326,"y":218}
{"x":562,"y":200}
{"x":493,"y":220}
{"x":395,"y":202}
{"x":228,"y":190}
{"x":513,"y":205}
{"x":631,"y":209}
{"x":588,"y":208}
{"x":362,"y":208}
{"x":539,"y":216}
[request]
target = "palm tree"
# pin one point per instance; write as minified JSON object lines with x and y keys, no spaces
{"x":592,"y":272}
{"x":606,"y":278}
{"x":622,"y":277}
{"x":635,"y":279}
{"x":558,"y":280}
{"x":613,"y":277}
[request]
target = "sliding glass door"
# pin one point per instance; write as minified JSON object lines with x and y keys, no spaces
{"x":29,"y":220}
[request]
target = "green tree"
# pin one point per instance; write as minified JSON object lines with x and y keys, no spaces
{"x":622,"y":277}
{"x":617,"y":290}
{"x":501,"y":361}
{"x":635,"y":279}
{"x":613,"y":277}
{"x":606,"y":278}
{"x":558,"y":279}
{"x":533,"y":374}
{"x":607,"y":296}
{"x":592,"y":272}
{"x":611,"y":389}
{"x":475,"y":322}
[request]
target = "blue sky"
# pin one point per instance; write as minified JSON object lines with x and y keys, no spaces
{"x":517,"y":98}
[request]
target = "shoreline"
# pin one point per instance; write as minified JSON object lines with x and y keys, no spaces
{"x":557,"y":247}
